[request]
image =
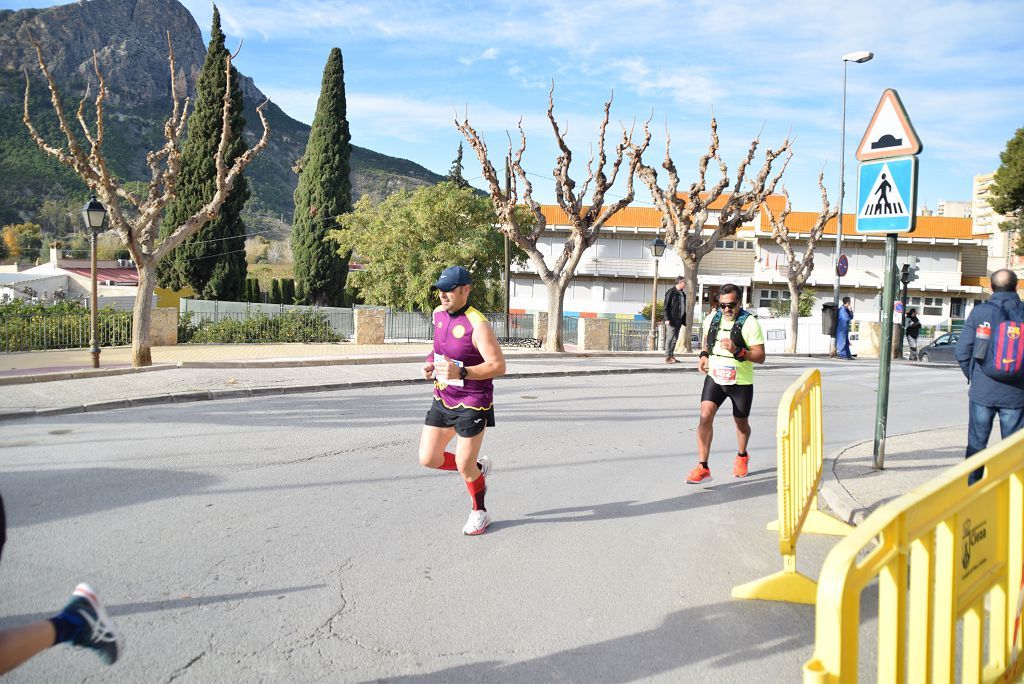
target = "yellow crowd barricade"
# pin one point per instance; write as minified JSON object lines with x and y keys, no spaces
{"x":949,"y":559}
{"x":800,"y":459}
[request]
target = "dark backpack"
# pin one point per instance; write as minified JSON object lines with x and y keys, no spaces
{"x":735,"y":334}
{"x":1004,"y":358}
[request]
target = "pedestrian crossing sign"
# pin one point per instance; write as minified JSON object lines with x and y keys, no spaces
{"x":886,"y":195}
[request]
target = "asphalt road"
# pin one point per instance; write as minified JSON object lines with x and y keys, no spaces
{"x":296,"y":538}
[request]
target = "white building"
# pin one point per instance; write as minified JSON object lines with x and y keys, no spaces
{"x":614,"y":278}
{"x":986,"y":222}
{"x":117,"y":281}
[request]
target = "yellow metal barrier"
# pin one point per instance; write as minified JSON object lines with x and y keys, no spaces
{"x":949,"y":559}
{"x":800,"y":458}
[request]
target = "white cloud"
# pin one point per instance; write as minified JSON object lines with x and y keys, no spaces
{"x":488,"y":54}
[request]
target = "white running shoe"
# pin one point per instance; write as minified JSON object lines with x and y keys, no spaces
{"x":477,"y":523}
{"x":485,"y":464}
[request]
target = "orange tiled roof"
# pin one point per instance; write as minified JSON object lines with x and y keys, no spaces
{"x":798,"y":221}
{"x":927,"y":226}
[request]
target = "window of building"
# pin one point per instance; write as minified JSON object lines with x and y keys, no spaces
{"x":636,"y":292}
{"x":928,"y":306}
{"x":956,"y":307}
{"x":767,"y":296}
{"x":633,"y":249}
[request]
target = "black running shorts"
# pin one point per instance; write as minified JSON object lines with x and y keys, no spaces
{"x":742,"y":396}
{"x":467,"y":422}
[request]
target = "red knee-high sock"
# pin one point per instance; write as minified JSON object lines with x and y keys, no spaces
{"x":449,"y":462}
{"x":477,"y":489}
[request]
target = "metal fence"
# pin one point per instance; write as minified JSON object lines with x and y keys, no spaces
{"x":63,"y":331}
{"x":413,"y":326}
{"x":244,"y":322}
{"x":408,"y":326}
{"x":629,"y":335}
{"x":570,"y":329}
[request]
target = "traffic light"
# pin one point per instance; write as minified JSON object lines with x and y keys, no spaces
{"x":908,"y":273}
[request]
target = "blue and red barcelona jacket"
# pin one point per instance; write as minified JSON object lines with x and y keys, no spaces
{"x":453,"y":337}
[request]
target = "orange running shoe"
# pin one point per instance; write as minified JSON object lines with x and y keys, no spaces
{"x":739,"y":468}
{"x":698,"y":475}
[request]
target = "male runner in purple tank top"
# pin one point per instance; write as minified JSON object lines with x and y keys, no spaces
{"x":465,"y":358}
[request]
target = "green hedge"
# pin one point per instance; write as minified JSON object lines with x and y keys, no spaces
{"x":291,"y":326}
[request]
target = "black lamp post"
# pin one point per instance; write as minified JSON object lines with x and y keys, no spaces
{"x":95,"y":215}
{"x":657,"y":248}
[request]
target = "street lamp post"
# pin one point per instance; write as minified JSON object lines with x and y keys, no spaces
{"x":94,"y":214}
{"x":657,"y":248}
{"x":859,"y":58}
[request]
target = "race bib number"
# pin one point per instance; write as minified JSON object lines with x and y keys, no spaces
{"x":724,"y":375}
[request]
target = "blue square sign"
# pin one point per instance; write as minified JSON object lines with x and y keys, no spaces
{"x":887,"y":195}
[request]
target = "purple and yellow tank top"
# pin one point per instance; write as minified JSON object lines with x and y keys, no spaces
{"x":453,"y":337}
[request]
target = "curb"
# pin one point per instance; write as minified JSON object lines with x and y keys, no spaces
{"x":79,"y":374}
{"x":832,"y":491}
{"x":247,"y":393}
{"x":297,"y":362}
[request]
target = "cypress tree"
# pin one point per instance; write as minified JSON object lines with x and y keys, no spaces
{"x":455,"y":173}
{"x":212,"y":261}
{"x":275,"y":291}
{"x":324,"y":192}
{"x":288,"y":290}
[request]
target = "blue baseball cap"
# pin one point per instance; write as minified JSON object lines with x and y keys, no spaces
{"x":451,"y":278}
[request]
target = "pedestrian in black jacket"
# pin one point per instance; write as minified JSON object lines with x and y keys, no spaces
{"x":913,"y":330}
{"x":675,"y":316}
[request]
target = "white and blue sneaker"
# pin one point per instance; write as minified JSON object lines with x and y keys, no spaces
{"x":100,"y":634}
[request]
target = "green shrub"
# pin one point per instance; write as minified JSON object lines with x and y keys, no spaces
{"x":291,"y":326}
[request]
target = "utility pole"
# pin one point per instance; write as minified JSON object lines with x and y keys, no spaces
{"x":885,"y":353}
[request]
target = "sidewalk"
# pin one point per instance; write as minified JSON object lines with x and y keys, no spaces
{"x":852,"y":488}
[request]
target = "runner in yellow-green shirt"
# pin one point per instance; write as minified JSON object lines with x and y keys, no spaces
{"x":727,"y":358}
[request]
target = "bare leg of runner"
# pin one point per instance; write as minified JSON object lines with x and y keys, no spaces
{"x":18,"y":644}
{"x":706,"y":429}
{"x":433,"y":441}
{"x":742,"y":433}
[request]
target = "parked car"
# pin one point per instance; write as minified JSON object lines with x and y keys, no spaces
{"x":941,"y":350}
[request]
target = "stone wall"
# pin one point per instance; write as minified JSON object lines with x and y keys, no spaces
{"x":163,"y":327}
{"x":369,"y":326}
{"x":593,"y":334}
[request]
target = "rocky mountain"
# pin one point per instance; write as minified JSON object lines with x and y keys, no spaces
{"x":129,"y":38}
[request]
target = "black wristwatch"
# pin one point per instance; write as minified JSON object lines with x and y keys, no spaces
{"x":463,"y":372}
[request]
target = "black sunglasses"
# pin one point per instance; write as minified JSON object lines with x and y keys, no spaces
{"x":729,"y":305}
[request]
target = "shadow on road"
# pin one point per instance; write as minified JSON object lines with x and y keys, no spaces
{"x":37,"y":496}
{"x":703,"y":634}
{"x":166,"y":604}
{"x":697,"y":498}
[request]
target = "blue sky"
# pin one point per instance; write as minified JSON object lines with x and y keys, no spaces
{"x":409,"y":64}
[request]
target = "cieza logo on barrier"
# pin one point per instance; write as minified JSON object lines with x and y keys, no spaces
{"x":972,"y":536}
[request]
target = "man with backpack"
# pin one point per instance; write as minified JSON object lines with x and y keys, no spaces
{"x":731,"y":343}
{"x":991,"y":354}
{"x":675,"y":314}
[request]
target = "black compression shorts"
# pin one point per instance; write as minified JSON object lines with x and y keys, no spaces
{"x":742,"y":396}
{"x":467,"y":422}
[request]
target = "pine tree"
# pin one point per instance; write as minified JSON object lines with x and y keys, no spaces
{"x":324,"y":192}
{"x":455,"y":173}
{"x":212,"y":262}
